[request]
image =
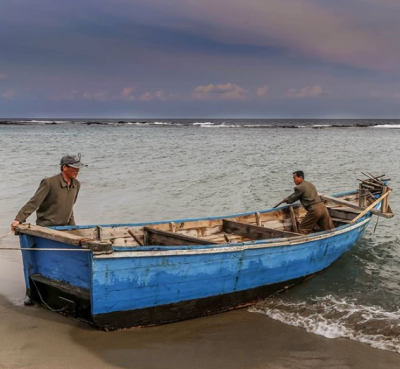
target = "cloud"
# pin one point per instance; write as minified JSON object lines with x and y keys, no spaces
{"x":262,"y":91}
{"x":149,"y":96}
{"x":228,"y":91}
{"x":9,"y":95}
{"x":127,"y":94}
{"x":3,"y":76}
{"x":304,"y":93}
{"x":308,"y":28}
{"x":96,"y":96}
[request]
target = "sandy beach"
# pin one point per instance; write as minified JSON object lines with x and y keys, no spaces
{"x":33,"y":337}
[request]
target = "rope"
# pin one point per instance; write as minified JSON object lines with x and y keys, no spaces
{"x":19,"y":249}
{"x":5,"y":235}
{"x":41,"y":299}
{"x":377,"y":220}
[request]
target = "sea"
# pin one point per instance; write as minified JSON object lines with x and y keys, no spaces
{"x":159,"y":169}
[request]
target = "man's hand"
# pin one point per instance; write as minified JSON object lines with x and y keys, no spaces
{"x":14,"y":224}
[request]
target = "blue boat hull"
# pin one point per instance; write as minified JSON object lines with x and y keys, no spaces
{"x":156,"y":285}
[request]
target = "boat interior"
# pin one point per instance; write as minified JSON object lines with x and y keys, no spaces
{"x":280,"y":223}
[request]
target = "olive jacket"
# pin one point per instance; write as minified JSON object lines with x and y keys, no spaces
{"x":306,"y":193}
{"x":53,"y":202}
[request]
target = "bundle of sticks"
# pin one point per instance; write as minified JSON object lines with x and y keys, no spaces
{"x":372,"y":186}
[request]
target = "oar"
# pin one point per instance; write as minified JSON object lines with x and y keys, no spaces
{"x":278,"y":204}
{"x":283,"y":201}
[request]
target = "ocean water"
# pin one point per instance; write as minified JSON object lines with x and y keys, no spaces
{"x":144,"y":170}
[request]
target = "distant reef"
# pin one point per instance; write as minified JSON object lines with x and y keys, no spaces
{"x":8,"y":122}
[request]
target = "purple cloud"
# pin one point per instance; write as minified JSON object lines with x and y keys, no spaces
{"x":228,"y":91}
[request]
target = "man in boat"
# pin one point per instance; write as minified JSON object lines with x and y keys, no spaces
{"x":55,"y":197}
{"x":317,"y":213}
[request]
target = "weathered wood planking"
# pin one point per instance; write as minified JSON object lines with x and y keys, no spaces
{"x":51,"y":234}
{"x":165,"y":238}
{"x":354,"y":206}
{"x":124,"y":242}
{"x":277,"y":219}
{"x":367,"y":209}
{"x":293,"y":218}
{"x":110,"y":233}
{"x":254,"y":232}
{"x":188,"y":224}
{"x":346,"y":214}
{"x":264,"y":217}
{"x":64,"y":237}
{"x":340,"y":221}
{"x":201,"y":232}
{"x":220,"y":238}
{"x":139,"y":240}
{"x":85,"y":232}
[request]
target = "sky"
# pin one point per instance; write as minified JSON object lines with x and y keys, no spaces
{"x":200,"y":58}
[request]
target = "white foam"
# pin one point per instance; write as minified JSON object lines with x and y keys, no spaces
{"x":153,"y":124}
{"x":333,"y":318}
{"x":257,"y":125}
{"x":203,"y":124}
{"x":50,"y":121}
{"x":44,"y":121}
{"x":214,"y":125}
{"x":390,"y":126}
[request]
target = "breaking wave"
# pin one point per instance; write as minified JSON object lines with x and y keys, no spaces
{"x":392,"y":126}
{"x":331,"y":317}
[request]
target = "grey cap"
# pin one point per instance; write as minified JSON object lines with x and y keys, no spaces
{"x":73,"y":161}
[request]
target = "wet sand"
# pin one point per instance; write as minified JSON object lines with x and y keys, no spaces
{"x":32,"y":337}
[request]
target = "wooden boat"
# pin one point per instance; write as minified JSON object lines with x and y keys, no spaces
{"x":125,"y":275}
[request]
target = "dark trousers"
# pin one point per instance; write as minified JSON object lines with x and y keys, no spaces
{"x":316,"y":214}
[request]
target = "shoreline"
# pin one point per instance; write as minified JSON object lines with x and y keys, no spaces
{"x":210,"y":122}
{"x":33,"y":337}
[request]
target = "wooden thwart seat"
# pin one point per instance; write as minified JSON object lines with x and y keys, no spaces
{"x":157,"y":237}
{"x":340,"y":220}
{"x":232,"y":230}
{"x":254,"y":232}
{"x":343,"y":213}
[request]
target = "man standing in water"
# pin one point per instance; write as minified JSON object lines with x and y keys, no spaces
{"x":317,"y":213}
{"x":55,"y":197}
